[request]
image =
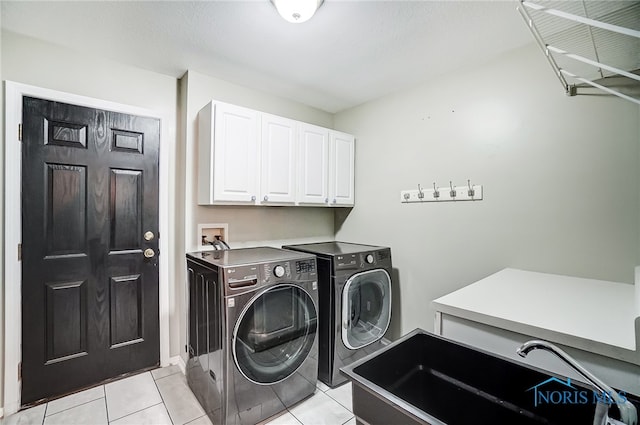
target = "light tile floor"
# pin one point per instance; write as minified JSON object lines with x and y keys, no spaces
{"x":162,"y":397}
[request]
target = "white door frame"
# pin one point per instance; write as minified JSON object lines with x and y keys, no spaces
{"x":14,"y":93}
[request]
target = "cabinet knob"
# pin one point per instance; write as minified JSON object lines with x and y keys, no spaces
{"x":334,"y":200}
{"x":253,"y":198}
{"x":326,"y":200}
{"x":266,"y":198}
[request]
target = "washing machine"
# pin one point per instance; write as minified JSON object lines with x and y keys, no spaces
{"x":354,"y":288}
{"x":253,"y":331}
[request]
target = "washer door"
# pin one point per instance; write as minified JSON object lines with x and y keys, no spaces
{"x":366,"y":308}
{"x":274,"y":334}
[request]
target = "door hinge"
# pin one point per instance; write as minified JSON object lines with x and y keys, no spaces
{"x":20,"y":371}
{"x":20,"y":132}
{"x":19,"y":252}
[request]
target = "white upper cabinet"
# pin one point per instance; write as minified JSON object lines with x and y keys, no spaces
{"x":253,"y":158}
{"x":342,"y":169}
{"x":227,"y":154}
{"x":278,"y":160}
{"x":313,"y":172}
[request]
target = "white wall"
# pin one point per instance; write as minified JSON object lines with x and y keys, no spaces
{"x":41,"y":64}
{"x":560,"y":176}
{"x":248,"y":226}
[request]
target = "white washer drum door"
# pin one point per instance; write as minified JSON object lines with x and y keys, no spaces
{"x":366,"y":308}
{"x":274,"y":334}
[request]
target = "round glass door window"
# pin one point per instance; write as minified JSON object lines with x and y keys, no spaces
{"x":274,"y":334}
{"x":366,"y":308}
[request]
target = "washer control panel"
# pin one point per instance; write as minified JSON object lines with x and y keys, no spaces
{"x":278,"y":271}
{"x":304,"y":269}
{"x":272,"y":271}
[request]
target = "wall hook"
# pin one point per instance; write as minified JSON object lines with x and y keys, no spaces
{"x":436,"y":192}
{"x":420,"y":192}
{"x":470,"y":192}
{"x":452,"y":191}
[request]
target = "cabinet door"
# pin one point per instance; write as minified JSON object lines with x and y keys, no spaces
{"x":313,"y":175}
{"x":342,"y":173}
{"x":278,"y":160}
{"x":235,"y":154}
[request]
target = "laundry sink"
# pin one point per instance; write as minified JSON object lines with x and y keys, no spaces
{"x":426,"y":379}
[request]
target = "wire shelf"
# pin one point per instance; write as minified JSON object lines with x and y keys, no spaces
{"x":589,"y":43}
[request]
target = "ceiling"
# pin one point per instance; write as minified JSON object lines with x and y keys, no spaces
{"x":350,"y":52}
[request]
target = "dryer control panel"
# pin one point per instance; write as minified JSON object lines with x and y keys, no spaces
{"x":346,"y":261}
{"x":363,"y":260}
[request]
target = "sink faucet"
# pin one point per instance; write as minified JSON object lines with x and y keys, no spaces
{"x":628,"y":413}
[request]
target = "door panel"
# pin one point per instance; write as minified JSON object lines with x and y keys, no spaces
{"x":65,"y":203}
{"x":66,"y":320}
{"x":342,"y":162}
{"x":125,"y":206}
{"x":235,"y":156}
{"x":278,"y":160}
{"x":314,"y":165}
{"x":89,"y":296}
{"x":65,"y":134}
{"x":126,"y":310}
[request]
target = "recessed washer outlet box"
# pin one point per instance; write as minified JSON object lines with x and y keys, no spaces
{"x":207,"y":233}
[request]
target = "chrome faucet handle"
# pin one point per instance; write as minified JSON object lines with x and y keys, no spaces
{"x":628,"y":412}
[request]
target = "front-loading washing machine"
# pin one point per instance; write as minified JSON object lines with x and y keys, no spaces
{"x":252,"y":340}
{"x":354,"y":288}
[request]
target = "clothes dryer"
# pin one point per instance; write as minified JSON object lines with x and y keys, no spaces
{"x":252,"y":340}
{"x":354,"y":288}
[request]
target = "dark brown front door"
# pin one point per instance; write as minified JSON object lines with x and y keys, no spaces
{"x":89,"y":293}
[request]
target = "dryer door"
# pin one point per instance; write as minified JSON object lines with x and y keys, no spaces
{"x":366,"y":308}
{"x":274,"y":334}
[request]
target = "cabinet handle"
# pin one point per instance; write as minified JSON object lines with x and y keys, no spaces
{"x":253,"y":198}
{"x":266,"y":198}
{"x":326,"y":200}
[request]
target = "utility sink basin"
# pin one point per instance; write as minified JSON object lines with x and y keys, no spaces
{"x":426,"y":379}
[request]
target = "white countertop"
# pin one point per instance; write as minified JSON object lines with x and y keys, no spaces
{"x":594,"y":315}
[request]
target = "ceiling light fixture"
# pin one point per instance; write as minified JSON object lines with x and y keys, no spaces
{"x":297,"y":11}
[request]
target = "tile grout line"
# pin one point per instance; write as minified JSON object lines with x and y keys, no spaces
{"x":69,"y":408}
{"x":166,"y":376}
{"x":340,"y":403}
{"x":106,"y":408}
{"x":155,"y":382}
{"x":345,"y":423}
{"x":137,"y":411}
{"x":144,"y":408}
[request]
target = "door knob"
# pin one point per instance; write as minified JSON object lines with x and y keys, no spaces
{"x":148,"y":236}
{"x":149,"y":253}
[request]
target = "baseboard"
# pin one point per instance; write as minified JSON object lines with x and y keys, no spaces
{"x":177,"y":360}
{"x":1,"y":412}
